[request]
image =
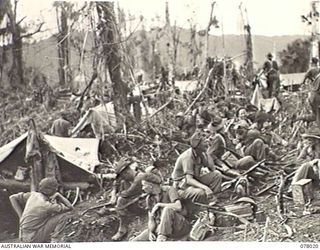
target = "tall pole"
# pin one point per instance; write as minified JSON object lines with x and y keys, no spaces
{"x":249,"y":47}
{"x":208,"y":29}
{"x":315,"y":29}
{"x":171,"y":66}
{"x":207,"y":40}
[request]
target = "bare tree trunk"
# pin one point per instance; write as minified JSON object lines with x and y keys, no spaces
{"x":207,"y":31}
{"x":171,"y":66}
{"x":176,"y":41}
{"x":63,"y":44}
{"x":16,"y":71}
{"x":249,"y":49}
{"x":249,"y":59}
{"x":109,"y":40}
{"x":193,"y":45}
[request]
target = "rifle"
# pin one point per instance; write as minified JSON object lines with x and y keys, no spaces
{"x":106,"y":204}
{"x":216,"y":211}
{"x":228,"y":184}
{"x":117,"y":208}
{"x":275,"y":184}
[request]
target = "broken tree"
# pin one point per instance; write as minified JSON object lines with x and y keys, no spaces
{"x":63,"y":9}
{"x":109,"y":40}
{"x":15,"y":35}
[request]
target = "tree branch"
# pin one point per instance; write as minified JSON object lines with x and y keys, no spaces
{"x":32,"y":33}
{"x":21,"y":20}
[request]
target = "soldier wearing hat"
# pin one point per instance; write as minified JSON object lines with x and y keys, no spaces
{"x":187,"y":172}
{"x":216,"y":139}
{"x":313,"y":76}
{"x":250,"y":145}
{"x":166,"y":211}
{"x":185,"y":123}
{"x":126,"y":187}
{"x":309,"y":146}
{"x":271,"y":70}
{"x":310,"y":76}
{"x":274,"y":63}
{"x":43,"y":216}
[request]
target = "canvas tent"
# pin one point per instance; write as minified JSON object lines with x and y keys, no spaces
{"x":265,"y":104}
{"x":292,"y":79}
{"x":102,"y":120}
{"x":77,"y":157}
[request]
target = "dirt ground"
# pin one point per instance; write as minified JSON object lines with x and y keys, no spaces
{"x":93,"y":228}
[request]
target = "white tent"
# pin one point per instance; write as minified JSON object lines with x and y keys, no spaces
{"x":102,"y":119}
{"x":80,"y":152}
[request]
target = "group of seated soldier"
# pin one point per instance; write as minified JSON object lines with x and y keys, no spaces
{"x":222,"y":138}
{"x":217,"y":140}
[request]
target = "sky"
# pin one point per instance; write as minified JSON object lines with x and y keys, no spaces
{"x":266,"y":17}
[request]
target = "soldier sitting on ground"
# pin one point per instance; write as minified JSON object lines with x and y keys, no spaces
{"x":187,"y":176}
{"x":126,"y":187}
{"x":166,"y":212}
{"x":43,"y":216}
{"x":61,"y":127}
{"x":308,"y":170}
{"x":309,"y":147}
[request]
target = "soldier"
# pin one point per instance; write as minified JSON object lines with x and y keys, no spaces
{"x":61,"y":127}
{"x":43,"y":216}
{"x":249,"y":145}
{"x":310,"y":76}
{"x":271,"y":70}
{"x":308,"y":170}
{"x":314,"y":95}
{"x":186,"y":173}
{"x":166,"y":212}
{"x":126,"y":187}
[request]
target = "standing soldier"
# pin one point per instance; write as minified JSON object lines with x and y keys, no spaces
{"x":312,"y":73}
{"x":313,"y":76}
{"x":271,"y":70}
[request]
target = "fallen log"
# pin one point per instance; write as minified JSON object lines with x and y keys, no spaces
{"x":77,"y":196}
{"x":289,"y":231}
{"x":279,"y":196}
{"x":75,"y":185}
{"x":266,"y":189}
{"x":15,"y":186}
{"x":201,"y":92}
{"x":106,"y":204}
{"x":275,"y":184}
{"x":265,"y":231}
{"x":284,"y":196}
{"x":157,"y":111}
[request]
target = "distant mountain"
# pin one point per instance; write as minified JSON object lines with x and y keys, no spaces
{"x":43,"y":54}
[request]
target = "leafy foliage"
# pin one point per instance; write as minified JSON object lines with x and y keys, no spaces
{"x":296,"y":57}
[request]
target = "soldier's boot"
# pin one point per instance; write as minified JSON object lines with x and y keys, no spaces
{"x":162,"y":238}
{"x":122,"y":231}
